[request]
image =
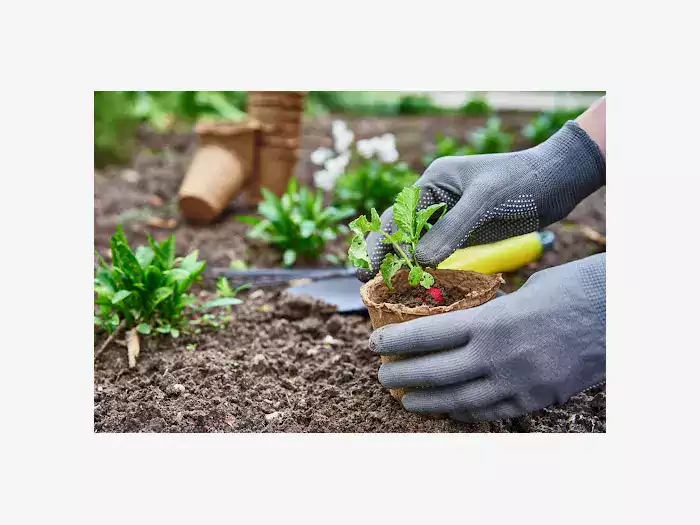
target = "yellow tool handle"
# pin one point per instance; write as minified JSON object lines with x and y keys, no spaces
{"x":502,"y":256}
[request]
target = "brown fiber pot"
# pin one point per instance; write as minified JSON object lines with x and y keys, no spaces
{"x":472,"y":288}
{"x":222,"y":165}
{"x":276,"y":167}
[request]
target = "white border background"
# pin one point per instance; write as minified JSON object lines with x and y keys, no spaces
{"x":56,"y":470}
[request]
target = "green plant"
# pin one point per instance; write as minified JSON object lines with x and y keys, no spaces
{"x":476,"y":107}
{"x":411,"y":224}
{"x":447,"y":147}
{"x":417,"y":105}
{"x":491,"y":138}
{"x":223,"y":288}
{"x":115,"y":125}
{"x":147,"y":288}
{"x":373,"y":184}
{"x":548,"y":123}
{"x":298,"y":224}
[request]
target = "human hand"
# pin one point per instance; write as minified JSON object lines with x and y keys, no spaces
{"x":494,"y":197}
{"x":512,"y":355}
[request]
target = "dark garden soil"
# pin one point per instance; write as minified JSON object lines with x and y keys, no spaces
{"x":283,"y":364}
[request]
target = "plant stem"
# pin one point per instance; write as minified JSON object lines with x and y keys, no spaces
{"x":398,"y":248}
{"x":110,"y":339}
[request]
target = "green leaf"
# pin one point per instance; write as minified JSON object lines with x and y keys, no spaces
{"x":161,"y":294}
{"x":361,"y":225}
{"x":425,"y":214}
{"x":123,"y":257}
{"x":405,"y":209}
{"x":427,"y":280}
{"x":357,"y":253}
{"x":190,"y":262}
{"x":289,"y":257}
{"x":144,"y":255}
{"x":144,"y":328}
{"x":247,"y":219}
{"x":177,"y":274}
{"x":396,"y":237}
{"x":165,"y":329}
{"x":221,"y":301}
{"x":307,"y":228}
{"x":120,"y":296}
{"x":415,"y":275}
{"x":376,"y":220}
{"x":175,"y":332}
{"x":390,"y":265}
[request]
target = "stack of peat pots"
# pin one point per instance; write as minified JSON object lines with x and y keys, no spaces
{"x":280,"y":116}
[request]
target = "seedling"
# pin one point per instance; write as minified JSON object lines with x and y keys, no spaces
{"x":411,"y":224}
{"x":298,"y":223}
{"x":148,"y":288}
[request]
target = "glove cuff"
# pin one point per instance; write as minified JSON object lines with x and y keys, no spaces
{"x":570,"y":167}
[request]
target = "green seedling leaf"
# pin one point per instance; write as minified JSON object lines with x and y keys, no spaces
{"x":221,"y":301}
{"x":144,"y":255}
{"x":390,"y":265}
{"x":396,"y":237}
{"x":175,"y":333}
{"x":357,"y":253}
{"x":289,"y":257}
{"x":415,"y":275}
{"x":307,"y":228}
{"x":405,"y":209}
{"x":161,"y":294}
{"x":144,"y":328}
{"x":424,"y":216}
{"x":361,"y":225}
{"x":248,"y":219}
{"x":238,"y":264}
{"x":427,"y":280}
{"x":120,"y":296}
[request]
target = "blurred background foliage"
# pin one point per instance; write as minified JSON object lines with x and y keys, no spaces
{"x":119,"y":114}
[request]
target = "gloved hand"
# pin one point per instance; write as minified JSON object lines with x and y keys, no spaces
{"x":498,"y":196}
{"x":512,"y":355}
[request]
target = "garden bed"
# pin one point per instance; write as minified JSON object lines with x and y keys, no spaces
{"x":273,"y":368}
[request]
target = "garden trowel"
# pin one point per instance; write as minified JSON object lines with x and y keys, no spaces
{"x":340,"y":287}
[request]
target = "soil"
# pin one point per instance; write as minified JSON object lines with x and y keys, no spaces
{"x":283,"y":364}
{"x":274,"y":369}
{"x":419,"y":296}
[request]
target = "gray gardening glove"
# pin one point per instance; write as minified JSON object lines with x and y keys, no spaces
{"x":498,"y":196}
{"x":512,"y":355}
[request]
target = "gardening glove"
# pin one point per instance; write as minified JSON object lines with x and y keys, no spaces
{"x":515,"y":354}
{"x":497,"y":196}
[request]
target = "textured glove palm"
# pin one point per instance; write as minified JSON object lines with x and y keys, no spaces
{"x":515,"y":354}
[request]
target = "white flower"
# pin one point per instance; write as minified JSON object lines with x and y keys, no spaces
{"x":386,"y":148}
{"x":321,"y":155}
{"x":324,"y":180}
{"x":342,"y":136}
{"x":337,"y":165}
{"x":366,"y":148}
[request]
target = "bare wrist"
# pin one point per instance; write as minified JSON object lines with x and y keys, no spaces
{"x":592,"y":121}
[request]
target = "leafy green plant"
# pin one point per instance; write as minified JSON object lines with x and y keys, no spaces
{"x":417,"y":105}
{"x":491,"y":138}
{"x":147,"y":288}
{"x":223,"y":288}
{"x":298,"y":223}
{"x":373,"y":184}
{"x":411,"y":224}
{"x":548,"y":123}
{"x":447,"y":147}
{"x":476,"y":107}
{"x":115,"y":125}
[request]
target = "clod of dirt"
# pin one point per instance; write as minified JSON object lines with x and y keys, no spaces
{"x":310,"y":325}
{"x":273,"y":415}
{"x":175,"y":389}
{"x":334,"y":324}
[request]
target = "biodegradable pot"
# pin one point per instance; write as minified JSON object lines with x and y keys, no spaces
{"x":223,"y":163}
{"x":469,"y":288}
{"x":276,"y":167}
